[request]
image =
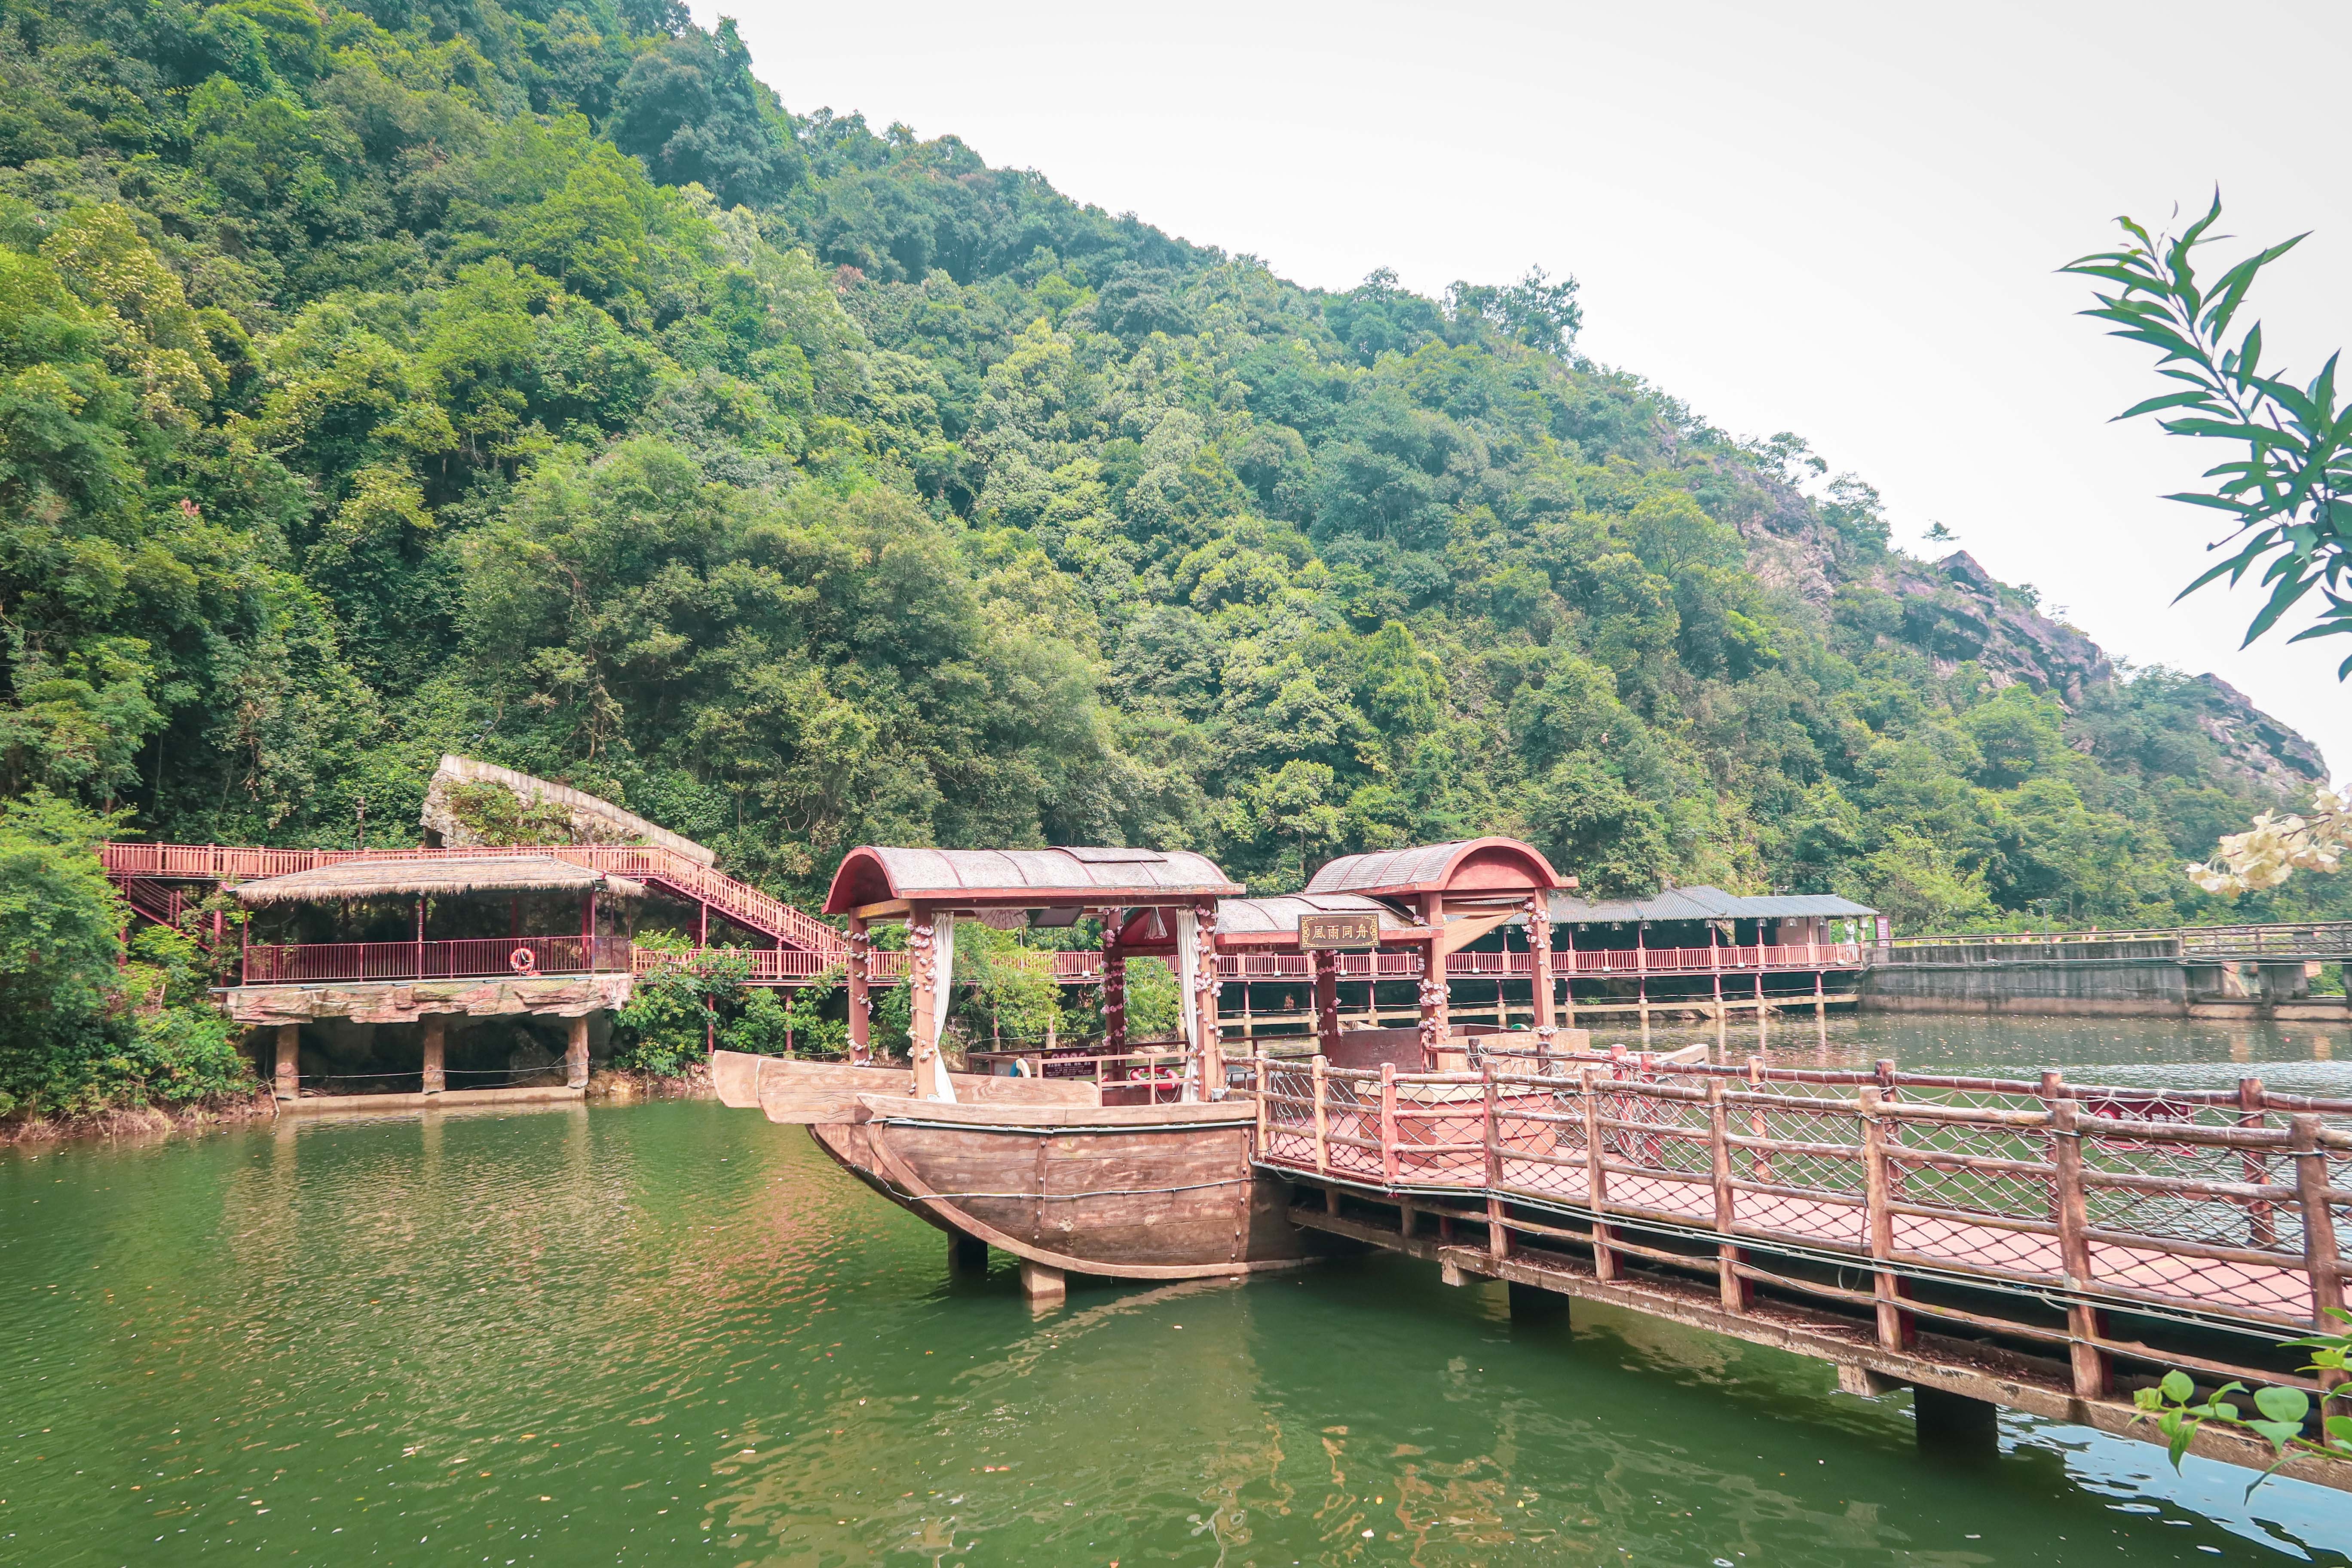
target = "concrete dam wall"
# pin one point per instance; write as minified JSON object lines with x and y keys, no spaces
{"x":2143,"y":978}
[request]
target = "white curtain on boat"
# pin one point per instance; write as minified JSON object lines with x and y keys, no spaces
{"x":1188,"y":926}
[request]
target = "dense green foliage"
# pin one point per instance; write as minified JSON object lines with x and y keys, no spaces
{"x":80,"y":1031}
{"x":523,"y":380}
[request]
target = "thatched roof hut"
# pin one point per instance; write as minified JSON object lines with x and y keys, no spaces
{"x":452,"y":876}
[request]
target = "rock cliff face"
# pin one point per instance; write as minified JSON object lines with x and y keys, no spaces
{"x":1954,"y":610}
{"x":2258,"y":744}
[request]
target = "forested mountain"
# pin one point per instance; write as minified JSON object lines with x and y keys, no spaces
{"x":526,"y":381}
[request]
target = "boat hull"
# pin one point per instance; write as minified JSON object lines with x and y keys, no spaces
{"x":1136,"y":1192}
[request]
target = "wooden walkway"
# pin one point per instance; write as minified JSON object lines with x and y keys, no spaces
{"x":2077,"y":1240}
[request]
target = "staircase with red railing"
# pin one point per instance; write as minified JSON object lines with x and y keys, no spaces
{"x":135,"y":865}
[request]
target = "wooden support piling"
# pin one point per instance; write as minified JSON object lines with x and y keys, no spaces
{"x":436,"y":1076}
{"x":285,"y":1071}
{"x":575,"y":1053}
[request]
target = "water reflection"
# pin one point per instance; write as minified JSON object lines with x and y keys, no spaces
{"x":673,"y":1333}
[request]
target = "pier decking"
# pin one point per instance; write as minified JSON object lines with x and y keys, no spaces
{"x":2044,"y":1246}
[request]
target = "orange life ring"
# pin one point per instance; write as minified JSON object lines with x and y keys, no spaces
{"x":522,"y":960}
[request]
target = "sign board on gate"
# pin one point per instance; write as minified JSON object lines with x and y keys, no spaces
{"x":1339,"y":933}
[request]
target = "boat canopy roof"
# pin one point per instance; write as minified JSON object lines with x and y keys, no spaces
{"x":1269,"y":923}
{"x":1024,"y":879}
{"x":1470,"y":865}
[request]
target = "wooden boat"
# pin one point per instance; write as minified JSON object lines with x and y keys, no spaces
{"x":1040,"y":1168}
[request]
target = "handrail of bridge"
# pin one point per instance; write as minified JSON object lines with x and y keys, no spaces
{"x":2191,"y":1211}
{"x":469,"y":958}
{"x":738,"y":901}
{"x":2304,"y":939}
{"x":1080,"y":966}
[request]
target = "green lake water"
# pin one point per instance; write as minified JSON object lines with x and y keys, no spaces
{"x":675,"y":1333}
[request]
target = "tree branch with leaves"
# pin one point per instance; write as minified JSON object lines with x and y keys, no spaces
{"x":2288,"y":499}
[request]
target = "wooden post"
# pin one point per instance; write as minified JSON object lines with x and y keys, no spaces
{"x":1204,"y":1002}
{"x":1730,"y":1286}
{"x":575,"y":1053}
{"x":702,"y":924}
{"x":2261,"y":1220}
{"x":1540,"y":968}
{"x":1596,"y":1180}
{"x":435,"y":1080}
{"x":2319,"y":1255}
{"x":420,"y":939}
{"x":1326,"y":1001}
{"x":1763,"y":1022}
{"x":286,"y":1072}
{"x":861,"y":1013}
{"x":1322,"y":1121}
{"x":1257,"y":1068}
{"x":1897,"y":1331}
{"x":1041,"y":1285}
{"x":1388,"y":1124}
{"x":1567,"y":990}
{"x":2093,"y":1376}
{"x":1722,"y":1039}
{"x":1498,"y":1239}
{"x":928,"y":999}
{"x":1114,"y":986}
{"x":1432,"y":1003}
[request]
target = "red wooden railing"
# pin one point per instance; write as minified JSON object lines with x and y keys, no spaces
{"x":472,"y":958}
{"x":738,"y":901}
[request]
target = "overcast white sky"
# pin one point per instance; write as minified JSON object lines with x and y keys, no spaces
{"x":1836,"y":219}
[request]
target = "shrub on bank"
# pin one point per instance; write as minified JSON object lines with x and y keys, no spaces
{"x":86,"y":1027}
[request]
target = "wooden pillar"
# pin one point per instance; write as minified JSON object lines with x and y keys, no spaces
{"x":575,"y":1053}
{"x":1204,"y":1002}
{"x":861,"y":1012}
{"x":1433,"y":1021}
{"x":1955,"y":1427}
{"x":1114,"y":987}
{"x":435,"y":1026}
{"x":1043,"y":1286}
{"x":927,"y":1001}
{"x":1642,"y":1001}
{"x":287,"y":1071}
{"x":1568,"y":991}
{"x":1326,"y":1001}
{"x":419,"y":970}
{"x":1763,"y":1021}
{"x":1540,"y":968}
{"x":1722,"y":1040}
{"x":702,"y":924}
